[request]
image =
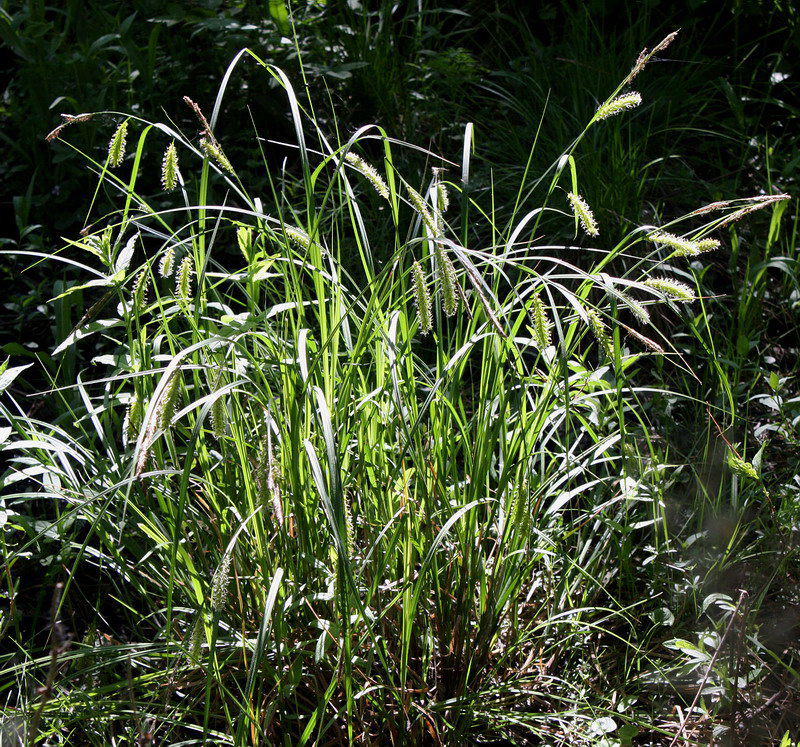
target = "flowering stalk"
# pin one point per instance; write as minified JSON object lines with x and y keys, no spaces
{"x":213,"y":151}
{"x":298,"y":237}
{"x":133,"y":419}
{"x":619,"y":104}
{"x":165,"y":408}
{"x":219,"y":583}
{"x":583,"y":213}
{"x":183,"y":284}
{"x":673,"y":289}
{"x":369,"y":172}
{"x":422,"y":298}
{"x":600,"y":331}
{"x":219,"y":410}
{"x":116,"y":147}
{"x":637,"y":309}
{"x":707,"y":245}
{"x":169,"y":168}
{"x":167,"y":263}
{"x":447,"y":281}
{"x":139,"y":291}
{"x":415,"y":198}
{"x":541,"y":323}
{"x":682,"y":247}
{"x":645,"y":55}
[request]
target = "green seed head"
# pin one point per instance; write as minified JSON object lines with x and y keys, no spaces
{"x":169,"y":168}
{"x":682,"y":247}
{"x":369,"y":172}
{"x":600,"y":332}
{"x":213,"y":151}
{"x":637,"y":309}
{"x":447,"y":282}
{"x":415,"y":198}
{"x":442,"y":197}
{"x":583,"y":213}
{"x":196,"y":639}
{"x":219,"y":410}
{"x":350,"y":537}
{"x":620,"y":104}
{"x":133,"y":419}
{"x":183,"y":284}
{"x":541,"y":323}
{"x":139,"y":292}
{"x":219,"y":583}
{"x":672,"y":289}
{"x":422,"y":298}
{"x":707,"y":245}
{"x":116,"y":147}
{"x":298,"y":237}
{"x":167,"y":264}
{"x":165,"y":408}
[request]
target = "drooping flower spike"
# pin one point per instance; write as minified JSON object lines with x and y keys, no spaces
{"x":422,"y":297}
{"x":618,"y":105}
{"x":169,"y":168}
{"x":116,"y":147}
{"x":673,"y":289}
{"x":583,"y":213}
{"x":369,"y":172}
{"x":541,"y":323}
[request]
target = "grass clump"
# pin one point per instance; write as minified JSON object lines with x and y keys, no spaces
{"x":302,"y":523}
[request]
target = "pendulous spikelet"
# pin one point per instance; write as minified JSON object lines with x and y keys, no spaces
{"x":636,"y":308}
{"x":139,"y":291}
{"x":183,"y":283}
{"x":213,"y":151}
{"x":165,"y":408}
{"x":583,"y":213}
{"x":422,"y":297}
{"x":219,"y":410}
{"x":298,"y":237}
{"x":600,"y":332}
{"x":673,"y":289}
{"x":219,"y":583}
{"x":620,"y":104}
{"x":541,"y":323}
{"x":447,"y":281}
{"x":682,"y":247}
{"x":349,"y":532}
{"x":169,"y":168}
{"x":415,"y":198}
{"x":442,"y":197}
{"x":133,"y":419}
{"x":167,"y":263}
{"x":116,"y":147}
{"x":369,"y":172}
{"x":707,"y":245}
